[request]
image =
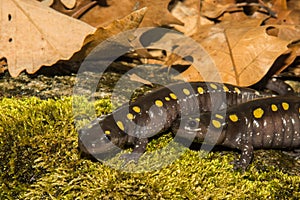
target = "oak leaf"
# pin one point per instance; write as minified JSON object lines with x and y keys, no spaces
{"x":129,"y":22}
{"x":33,"y":35}
{"x":100,"y":16}
{"x":157,"y":12}
{"x":189,"y":15}
{"x":243,"y":52}
{"x":214,"y":9}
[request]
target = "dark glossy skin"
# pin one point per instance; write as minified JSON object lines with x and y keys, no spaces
{"x":279,"y":86}
{"x":132,"y":124}
{"x":270,"y":123}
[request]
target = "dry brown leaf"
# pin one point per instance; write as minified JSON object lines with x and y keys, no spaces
{"x":285,"y":32}
{"x":46,"y":43}
{"x":243,"y":53}
{"x":190,"y":16}
{"x":46,"y":2}
{"x":77,"y":10}
{"x":177,"y":45}
{"x":157,"y":14}
{"x":236,"y":9}
{"x":33,"y":35}
{"x":293,"y":4}
{"x":127,"y":23}
{"x":69,"y":3}
{"x":100,"y":16}
{"x":286,"y":17}
{"x":214,"y":9}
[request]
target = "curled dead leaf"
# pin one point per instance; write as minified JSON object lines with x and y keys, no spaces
{"x":33,"y":35}
{"x":93,"y":40}
{"x":49,"y":36}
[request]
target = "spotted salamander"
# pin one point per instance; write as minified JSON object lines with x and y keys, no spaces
{"x":133,"y":123}
{"x":268,"y":123}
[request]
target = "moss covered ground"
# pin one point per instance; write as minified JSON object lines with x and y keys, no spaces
{"x":40,"y":160}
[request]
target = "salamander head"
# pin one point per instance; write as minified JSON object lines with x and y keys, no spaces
{"x":97,"y":140}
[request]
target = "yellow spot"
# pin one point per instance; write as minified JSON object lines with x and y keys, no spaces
{"x":216,"y":123}
{"x":233,"y":117}
{"x":225,"y":88}
{"x":258,"y":113}
{"x":274,"y":107}
{"x":130,"y":116}
{"x":186,"y":91}
{"x":299,"y":110}
{"x":173,"y":96}
{"x":285,"y":106}
{"x":107,"y":132}
{"x":197,"y":119}
{"x":200,"y":90}
{"x":219,"y":116}
{"x":237,"y":90}
{"x":167,"y":99}
{"x":120,"y":125}
{"x":159,"y":103}
{"x":136,"y":109}
{"x":213,"y":86}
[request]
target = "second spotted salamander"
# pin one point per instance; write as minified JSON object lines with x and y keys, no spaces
{"x":269,"y":123}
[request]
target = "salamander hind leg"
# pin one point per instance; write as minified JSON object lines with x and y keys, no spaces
{"x":245,"y":158}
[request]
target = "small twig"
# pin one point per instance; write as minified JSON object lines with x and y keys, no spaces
{"x":270,"y":11}
{"x":83,"y":9}
{"x":261,"y":5}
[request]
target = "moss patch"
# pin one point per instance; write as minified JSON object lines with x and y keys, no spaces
{"x":40,"y":160}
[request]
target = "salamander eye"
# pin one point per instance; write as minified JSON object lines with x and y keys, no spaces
{"x":192,"y":124}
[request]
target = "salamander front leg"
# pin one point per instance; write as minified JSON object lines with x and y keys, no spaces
{"x":138,"y":150}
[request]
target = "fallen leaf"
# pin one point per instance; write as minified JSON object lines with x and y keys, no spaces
{"x":33,"y":35}
{"x":177,"y":46}
{"x":214,"y":9}
{"x":100,"y":16}
{"x":127,"y":23}
{"x":190,"y":16}
{"x":285,"y":17}
{"x":77,"y":10}
{"x":285,"y":32}
{"x":222,"y":10}
{"x":157,"y":13}
{"x":293,"y":4}
{"x":44,"y":44}
{"x":70,"y":4}
{"x":243,"y":53}
{"x":46,"y":2}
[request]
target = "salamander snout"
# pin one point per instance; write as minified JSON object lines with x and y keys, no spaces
{"x":93,"y":141}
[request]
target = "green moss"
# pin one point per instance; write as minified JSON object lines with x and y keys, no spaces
{"x":40,"y":160}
